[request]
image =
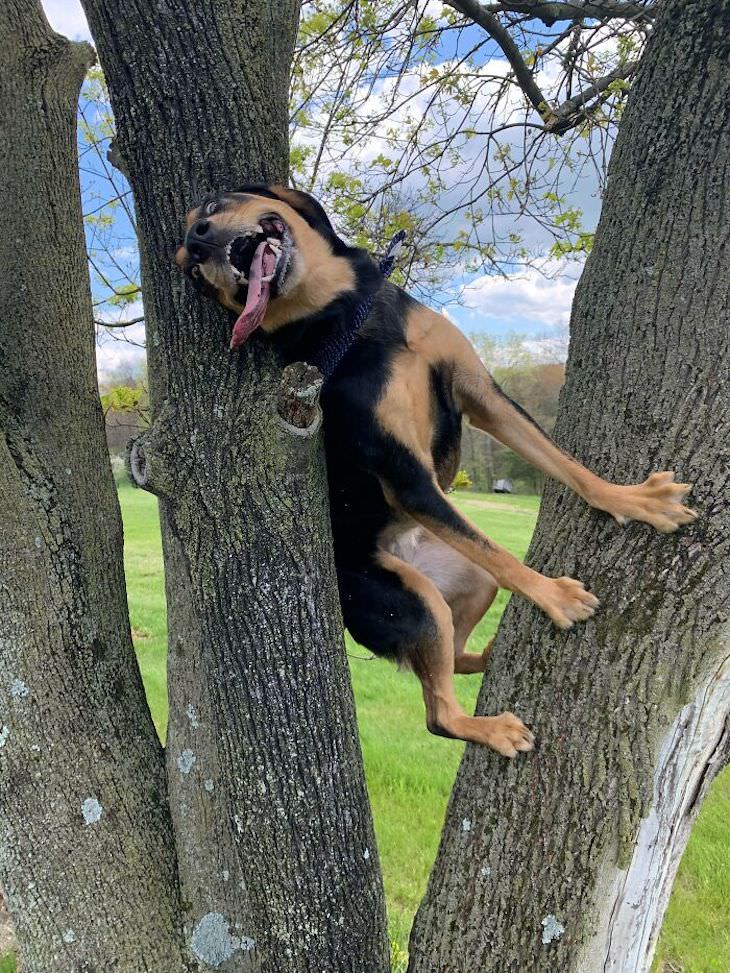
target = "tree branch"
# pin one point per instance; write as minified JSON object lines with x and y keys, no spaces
{"x":561,"y":119}
{"x":566,"y":116}
{"x":118,"y":324}
{"x":298,"y":399}
{"x":153,"y":458}
{"x":489,"y":22}
{"x":550,"y":13}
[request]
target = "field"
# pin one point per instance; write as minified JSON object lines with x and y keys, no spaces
{"x":410,"y":773}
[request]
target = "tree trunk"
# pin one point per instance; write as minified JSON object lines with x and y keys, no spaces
{"x":564,"y":860}
{"x":88,"y":860}
{"x":277,"y":854}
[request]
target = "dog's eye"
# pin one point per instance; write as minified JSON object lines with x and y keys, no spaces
{"x":195,"y":271}
{"x":211,"y":208}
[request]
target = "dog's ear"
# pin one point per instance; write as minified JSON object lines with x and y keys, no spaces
{"x":306,"y":205}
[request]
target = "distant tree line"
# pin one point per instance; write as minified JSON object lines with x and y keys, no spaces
{"x":520,"y":367}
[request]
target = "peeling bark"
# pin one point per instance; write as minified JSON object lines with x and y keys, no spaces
{"x":693,"y":750}
{"x":87,"y":859}
{"x":570,"y":853}
{"x":275,"y":840}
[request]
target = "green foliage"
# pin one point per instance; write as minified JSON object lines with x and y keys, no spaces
{"x":401,"y":116}
{"x":8,"y":963}
{"x":125,"y":399}
{"x":395,"y":106}
{"x":398,"y":958}
{"x":462,"y":481}
{"x":580,"y":245}
{"x":124,"y":294}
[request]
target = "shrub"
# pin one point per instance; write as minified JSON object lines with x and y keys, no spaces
{"x":462,"y":481}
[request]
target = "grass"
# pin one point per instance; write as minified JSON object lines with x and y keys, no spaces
{"x":410,"y":773}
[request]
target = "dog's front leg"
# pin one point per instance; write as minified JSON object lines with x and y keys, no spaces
{"x":657,"y":501}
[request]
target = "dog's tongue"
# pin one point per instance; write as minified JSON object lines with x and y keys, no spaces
{"x":257,"y":299}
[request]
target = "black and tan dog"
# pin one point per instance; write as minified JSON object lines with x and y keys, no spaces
{"x":414,"y":575}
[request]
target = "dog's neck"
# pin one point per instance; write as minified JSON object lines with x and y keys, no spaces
{"x":319,"y":338}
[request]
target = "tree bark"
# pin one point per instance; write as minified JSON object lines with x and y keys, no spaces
{"x":277,"y":854}
{"x":564,"y":860}
{"x":88,"y":859}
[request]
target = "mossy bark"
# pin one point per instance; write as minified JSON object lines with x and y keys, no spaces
{"x":563,"y":860}
{"x":275,"y":840}
{"x":87,"y":858}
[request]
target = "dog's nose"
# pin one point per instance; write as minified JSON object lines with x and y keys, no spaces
{"x":199,"y":241}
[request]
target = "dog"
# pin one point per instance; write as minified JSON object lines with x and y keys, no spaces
{"x":414,"y":575}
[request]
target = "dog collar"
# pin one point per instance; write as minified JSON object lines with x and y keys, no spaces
{"x":332,"y":354}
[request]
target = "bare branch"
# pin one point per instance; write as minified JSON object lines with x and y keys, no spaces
{"x":489,"y":22}
{"x":118,"y":324}
{"x":571,"y":111}
{"x":550,"y":13}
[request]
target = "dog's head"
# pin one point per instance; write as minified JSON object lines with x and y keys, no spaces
{"x":266,"y":252}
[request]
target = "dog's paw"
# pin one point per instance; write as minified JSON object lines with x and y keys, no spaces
{"x":566,"y":601}
{"x":657,"y":501}
{"x":506,"y":734}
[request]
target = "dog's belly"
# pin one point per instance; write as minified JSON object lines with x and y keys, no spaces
{"x":450,"y":571}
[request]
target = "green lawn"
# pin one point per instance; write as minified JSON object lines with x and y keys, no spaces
{"x":410,"y":773}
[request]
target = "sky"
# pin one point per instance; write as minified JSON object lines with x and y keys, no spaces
{"x":527,"y":302}
{"x":67,"y":17}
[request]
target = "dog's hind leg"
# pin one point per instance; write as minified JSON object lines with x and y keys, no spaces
{"x":467,"y":589}
{"x":469,"y":592}
{"x":393,"y":609}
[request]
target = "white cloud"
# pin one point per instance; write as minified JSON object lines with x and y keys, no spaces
{"x":526,"y":300}
{"x":121,"y":350}
{"x":67,"y":17}
{"x":118,"y":357}
{"x":548,"y":349}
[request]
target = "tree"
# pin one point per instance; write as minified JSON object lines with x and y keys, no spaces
{"x":277,"y":858}
{"x":87,"y":885}
{"x":565,"y":860}
{"x":262,"y":727}
{"x":271,"y":829}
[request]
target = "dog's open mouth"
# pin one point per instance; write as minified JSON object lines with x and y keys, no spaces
{"x":260,"y":260}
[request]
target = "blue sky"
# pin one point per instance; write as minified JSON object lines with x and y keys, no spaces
{"x":528,"y":302}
